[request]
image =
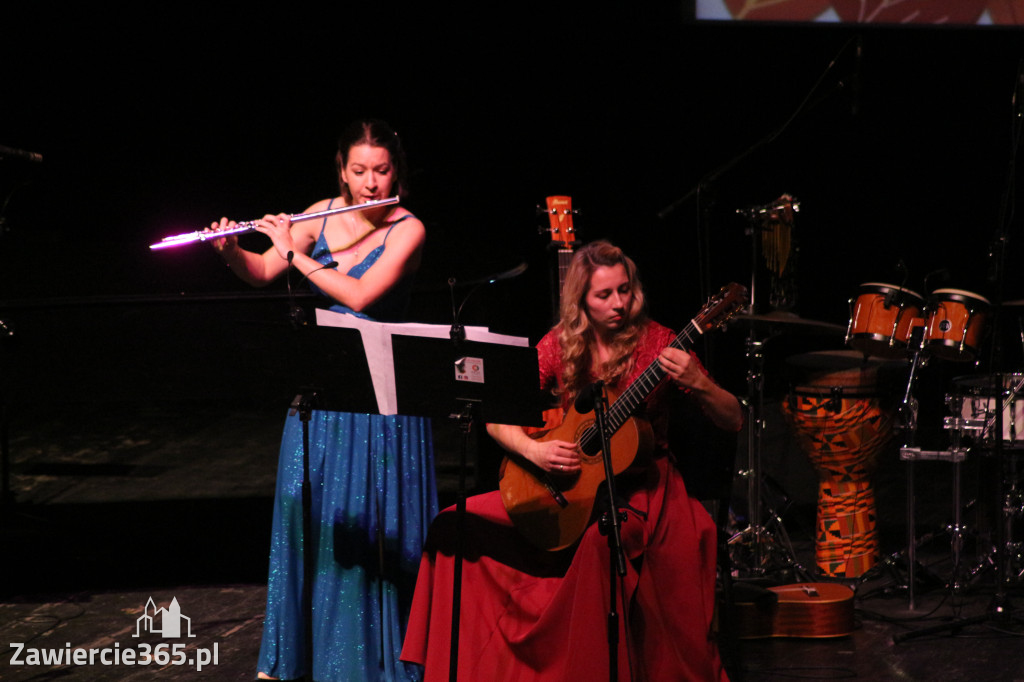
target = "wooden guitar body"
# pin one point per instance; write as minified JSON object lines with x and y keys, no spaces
{"x":533,"y":507}
{"x":814,"y":610}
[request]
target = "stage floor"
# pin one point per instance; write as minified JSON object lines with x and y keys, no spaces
{"x":114,"y":506}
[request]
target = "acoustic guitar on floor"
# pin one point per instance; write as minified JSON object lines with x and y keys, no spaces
{"x":552,"y":510}
{"x":814,"y":610}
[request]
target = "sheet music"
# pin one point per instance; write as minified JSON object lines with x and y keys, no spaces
{"x":377,"y":345}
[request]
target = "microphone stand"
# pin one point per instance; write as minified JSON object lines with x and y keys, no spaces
{"x":465,"y":418}
{"x":295,"y":313}
{"x":610,"y":525}
{"x":303,"y":404}
{"x":808,"y":103}
{"x":6,"y":333}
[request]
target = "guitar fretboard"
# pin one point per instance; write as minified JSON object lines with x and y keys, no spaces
{"x":641,"y":387}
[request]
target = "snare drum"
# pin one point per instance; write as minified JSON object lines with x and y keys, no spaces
{"x":974,"y":404}
{"x":883,"y":318}
{"x":956,"y":322}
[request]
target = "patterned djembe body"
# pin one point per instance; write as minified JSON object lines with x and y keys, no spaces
{"x":842,"y":428}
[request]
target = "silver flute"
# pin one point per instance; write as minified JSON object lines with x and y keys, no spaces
{"x":250,"y":225}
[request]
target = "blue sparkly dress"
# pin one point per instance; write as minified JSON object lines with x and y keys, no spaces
{"x":374,"y":496}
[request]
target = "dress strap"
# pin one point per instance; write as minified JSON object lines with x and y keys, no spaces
{"x":386,"y":234}
{"x":323,"y":227}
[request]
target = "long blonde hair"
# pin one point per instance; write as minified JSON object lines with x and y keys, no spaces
{"x":575,"y":331}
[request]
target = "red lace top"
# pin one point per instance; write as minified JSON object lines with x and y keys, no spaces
{"x":655,"y":337}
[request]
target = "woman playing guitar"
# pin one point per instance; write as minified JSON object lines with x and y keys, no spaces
{"x":531,"y":613}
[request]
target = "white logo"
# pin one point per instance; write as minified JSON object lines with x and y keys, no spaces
{"x":164,"y":622}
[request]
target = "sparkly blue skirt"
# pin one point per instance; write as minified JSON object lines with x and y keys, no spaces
{"x":374,"y":496}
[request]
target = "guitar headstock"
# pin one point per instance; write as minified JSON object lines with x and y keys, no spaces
{"x":723,"y":305}
{"x":560,"y":214}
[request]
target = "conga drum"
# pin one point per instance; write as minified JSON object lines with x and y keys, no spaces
{"x":834,"y":408}
{"x":882,"y":319}
{"x":955,"y":325}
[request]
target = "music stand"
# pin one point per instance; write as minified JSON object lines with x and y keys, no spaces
{"x":417,"y":369}
{"x":465,"y":381}
{"x":436,"y":377}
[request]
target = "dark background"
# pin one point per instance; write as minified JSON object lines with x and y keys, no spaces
{"x":155,"y":124}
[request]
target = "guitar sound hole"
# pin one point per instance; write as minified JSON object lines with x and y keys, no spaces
{"x":590,"y":443}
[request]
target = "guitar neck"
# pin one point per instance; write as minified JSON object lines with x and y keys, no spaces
{"x":564,"y":261}
{"x":626,"y":404}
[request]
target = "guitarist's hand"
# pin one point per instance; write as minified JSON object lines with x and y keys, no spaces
{"x":717,"y":403}
{"x":555,"y":456}
{"x":684,"y":373}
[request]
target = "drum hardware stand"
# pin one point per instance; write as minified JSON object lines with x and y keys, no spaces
{"x":1000,"y":609}
{"x":756,"y":533}
{"x":910,"y":454}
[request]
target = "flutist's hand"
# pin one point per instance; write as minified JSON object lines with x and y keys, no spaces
{"x":226,"y":245}
{"x":278,"y":228}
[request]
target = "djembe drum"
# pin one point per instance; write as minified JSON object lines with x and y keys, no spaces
{"x":835,"y":410}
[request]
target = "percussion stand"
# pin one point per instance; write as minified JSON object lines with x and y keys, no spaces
{"x":910,"y":454}
{"x":758,"y":534}
{"x":1000,"y":609}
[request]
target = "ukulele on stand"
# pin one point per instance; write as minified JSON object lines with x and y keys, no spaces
{"x":563,"y":237}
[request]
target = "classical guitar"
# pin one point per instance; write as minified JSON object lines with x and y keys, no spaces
{"x":800,"y":610}
{"x":551,"y":510}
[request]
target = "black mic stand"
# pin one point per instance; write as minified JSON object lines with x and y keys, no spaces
{"x":702,"y":190}
{"x":303,"y":404}
{"x":610,"y":525}
{"x":6,"y":334}
{"x":464,"y":417}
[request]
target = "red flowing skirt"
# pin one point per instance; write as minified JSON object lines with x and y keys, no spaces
{"x":528,"y":614}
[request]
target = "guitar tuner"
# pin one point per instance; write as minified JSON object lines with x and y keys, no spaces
{"x":560,"y":216}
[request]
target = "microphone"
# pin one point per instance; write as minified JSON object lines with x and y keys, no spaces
{"x":296,"y":313}
{"x":11,"y":153}
{"x":588,"y":397}
{"x":900,"y":267}
{"x":326,"y":266}
{"x":943,"y":274}
{"x":458,"y":331}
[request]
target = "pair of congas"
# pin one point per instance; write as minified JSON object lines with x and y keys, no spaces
{"x":884,"y":317}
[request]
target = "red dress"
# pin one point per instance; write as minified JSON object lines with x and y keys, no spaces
{"x":529,"y":614}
